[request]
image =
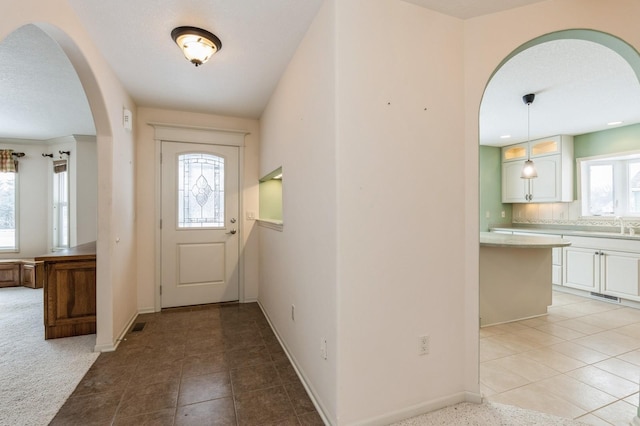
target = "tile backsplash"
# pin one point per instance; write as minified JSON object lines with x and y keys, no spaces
{"x":564,"y":214}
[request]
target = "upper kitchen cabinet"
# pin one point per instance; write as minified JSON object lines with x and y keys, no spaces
{"x":553,"y":159}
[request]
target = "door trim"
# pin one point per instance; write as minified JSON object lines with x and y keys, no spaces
{"x":196,"y":135}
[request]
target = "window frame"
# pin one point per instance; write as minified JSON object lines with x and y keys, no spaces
{"x":16,"y":212}
{"x":55,"y":211}
{"x":621,"y":183}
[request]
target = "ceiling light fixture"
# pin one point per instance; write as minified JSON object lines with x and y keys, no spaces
{"x":529,"y":169}
{"x":198,"y":45}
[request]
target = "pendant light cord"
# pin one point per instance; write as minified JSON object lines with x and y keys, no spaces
{"x":528,"y":130}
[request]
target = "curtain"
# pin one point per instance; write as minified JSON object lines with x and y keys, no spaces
{"x":8,"y":164}
{"x":59,"y":166}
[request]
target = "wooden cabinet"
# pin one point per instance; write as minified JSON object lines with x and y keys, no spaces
{"x":556,"y":266}
{"x":32,"y":274}
{"x":582,"y":267}
{"x":620,"y":274}
{"x":553,"y":158}
{"x":9,"y":274}
{"x":605,"y":266}
{"x":70,"y":292}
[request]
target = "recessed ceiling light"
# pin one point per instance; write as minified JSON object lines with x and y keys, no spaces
{"x":505,"y":136}
{"x":614,"y":123}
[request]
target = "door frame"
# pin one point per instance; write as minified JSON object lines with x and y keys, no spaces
{"x":197,"y":135}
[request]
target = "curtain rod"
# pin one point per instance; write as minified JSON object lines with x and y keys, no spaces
{"x":18,"y":154}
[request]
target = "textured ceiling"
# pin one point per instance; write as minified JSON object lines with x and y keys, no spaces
{"x":465,"y":9}
{"x":580,"y":86}
{"x":42,"y":97}
{"x":258,"y":40}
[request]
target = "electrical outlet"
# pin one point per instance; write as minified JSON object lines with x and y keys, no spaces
{"x":503,"y":214}
{"x":323,"y":348}
{"x":423,"y":345}
{"x":251,"y":216}
{"x":487,"y":214}
{"x":293,"y":312}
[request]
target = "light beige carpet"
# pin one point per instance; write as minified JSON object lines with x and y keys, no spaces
{"x":486,"y":414}
{"x":36,"y":375}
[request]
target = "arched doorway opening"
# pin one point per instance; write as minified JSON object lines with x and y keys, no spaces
{"x":95,"y":108}
{"x":529,"y":362}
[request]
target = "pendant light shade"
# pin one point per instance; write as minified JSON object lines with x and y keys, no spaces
{"x":198,"y":45}
{"x":528,"y":169}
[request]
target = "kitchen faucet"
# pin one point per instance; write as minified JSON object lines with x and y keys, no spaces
{"x":621,"y":224}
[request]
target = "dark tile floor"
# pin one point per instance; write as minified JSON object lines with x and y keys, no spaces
{"x":210,"y":365}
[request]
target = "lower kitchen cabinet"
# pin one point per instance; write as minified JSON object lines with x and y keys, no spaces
{"x":603,"y":266}
{"x":556,"y":265}
{"x":620,"y":274}
{"x":581,"y":268}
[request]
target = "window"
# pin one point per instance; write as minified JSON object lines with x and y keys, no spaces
{"x":200,"y":191}
{"x":610,"y":186}
{"x":60,"y":205}
{"x":8,"y":211}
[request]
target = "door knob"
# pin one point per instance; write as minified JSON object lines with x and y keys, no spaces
{"x":233,"y":231}
{"x":232,"y":220}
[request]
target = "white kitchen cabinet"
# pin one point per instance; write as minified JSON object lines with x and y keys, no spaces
{"x":556,"y":265}
{"x":581,"y":268}
{"x":605,"y":266}
{"x":620,"y":274}
{"x":553,"y":158}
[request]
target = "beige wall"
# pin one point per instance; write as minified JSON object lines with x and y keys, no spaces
{"x":298,"y":265}
{"x":405,"y":234}
{"x":146,"y":195}
{"x":401,"y":209}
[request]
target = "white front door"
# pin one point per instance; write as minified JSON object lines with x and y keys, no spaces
{"x":199,"y":248}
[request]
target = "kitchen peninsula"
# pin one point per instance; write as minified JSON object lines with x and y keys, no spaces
{"x":70,"y":291}
{"x":515,"y":276}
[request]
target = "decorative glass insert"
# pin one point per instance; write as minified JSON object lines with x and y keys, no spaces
{"x":200,"y":191}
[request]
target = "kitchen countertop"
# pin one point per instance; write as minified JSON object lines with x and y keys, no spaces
{"x":82,"y":252}
{"x":571,"y":232}
{"x":493,"y":239}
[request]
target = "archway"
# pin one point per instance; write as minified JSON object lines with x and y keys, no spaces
{"x":103,"y":132}
{"x":626,"y":54}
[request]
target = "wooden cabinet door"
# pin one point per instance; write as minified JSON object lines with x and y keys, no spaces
{"x":514,"y":188}
{"x":547,"y":186}
{"x":621,"y":274}
{"x":70,"y":299}
{"x":581,"y":268}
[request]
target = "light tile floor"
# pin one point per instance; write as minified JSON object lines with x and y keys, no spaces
{"x":581,"y":361}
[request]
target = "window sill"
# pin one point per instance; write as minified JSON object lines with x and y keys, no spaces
{"x":271,"y":224}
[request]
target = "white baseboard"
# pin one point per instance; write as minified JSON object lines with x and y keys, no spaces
{"x":307,"y":386}
{"x":422,"y":408}
{"x":387,"y":418}
{"x":150,"y":310}
{"x":112,"y":347}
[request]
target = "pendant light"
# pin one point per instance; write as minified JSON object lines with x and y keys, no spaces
{"x":529,"y":169}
